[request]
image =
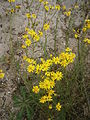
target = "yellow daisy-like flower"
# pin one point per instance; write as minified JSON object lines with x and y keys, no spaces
{"x":1,"y":74}
{"x":40,"y":33}
{"x":23,"y":46}
{"x":12,"y":10}
{"x":0,"y":70}
{"x":28,"y":15}
{"x":68,"y":49}
{"x":35,"y":89}
{"x":46,"y":26}
{"x":84,"y":29}
{"x":40,"y":0}
{"x":67,"y":13}
{"x":34,"y":16}
{"x":64,"y":7}
{"x":45,"y":3}
{"x":58,"y":107}
{"x":76,"y":35}
{"x":28,"y":42}
{"x":57,"y":7}
{"x":46,"y":8}
{"x":50,"y":106}
{"x":59,"y":75}
{"x":86,"y":40}
{"x":30,"y":68}
{"x":25,"y":36}
{"x":18,"y":6}
{"x":11,"y":0}
{"x":43,"y":99}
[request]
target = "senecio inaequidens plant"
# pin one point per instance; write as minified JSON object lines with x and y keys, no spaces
{"x":45,"y":73}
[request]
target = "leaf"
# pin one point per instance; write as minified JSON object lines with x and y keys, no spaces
{"x":20,"y":114}
{"x":23,"y":92}
{"x":28,"y":113}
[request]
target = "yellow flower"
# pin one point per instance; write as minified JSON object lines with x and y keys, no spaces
{"x":35,"y":89}
{"x":50,"y":106}
{"x":40,"y":0}
{"x":57,"y":7}
{"x":34,"y":16}
{"x":76,"y":35}
{"x":2,"y":75}
{"x":0,"y":70}
{"x":64,"y":7}
{"x":67,"y":13}
{"x":59,"y":75}
{"x":84,"y":29}
{"x":18,"y":6}
{"x":12,"y":10}
{"x":50,"y":92}
{"x":25,"y":36}
{"x":46,"y":8}
{"x":28,"y":15}
{"x":87,"y":23}
{"x":58,"y":107}
{"x":11,"y":0}
{"x":43,"y":99}
{"x":56,"y":60}
{"x":64,"y":63}
{"x":24,"y":57}
{"x":23,"y":46}
{"x":45,"y":3}
{"x":27,"y":29}
{"x":40,"y":33}
{"x":76,"y":6}
{"x":49,"y":98}
{"x":30,"y":68}
{"x":68,"y":49}
{"x":86,"y":40}
{"x":28,"y":42}
{"x":51,"y":7}
{"x":36,"y":37}
{"x":46,"y":26}
{"x":31,"y":32}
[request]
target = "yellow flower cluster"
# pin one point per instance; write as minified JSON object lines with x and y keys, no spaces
{"x":31,"y":16}
{"x":65,"y":11}
{"x":47,"y":84}
{"x":87,"y":25}
{"x":1,"y":74}
{"x":64,"y":59}
{"x":46,"y":98}
{"x":48,"y":7}
{"x":86,"y":40}
{"x":48,"y":78}
{"x":33,"y":36}
{"x":76,"y":33}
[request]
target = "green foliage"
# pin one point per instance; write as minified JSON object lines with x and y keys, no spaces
{"x":25,"y":104}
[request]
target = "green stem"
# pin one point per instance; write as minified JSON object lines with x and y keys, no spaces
{"x":55,"y":37}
